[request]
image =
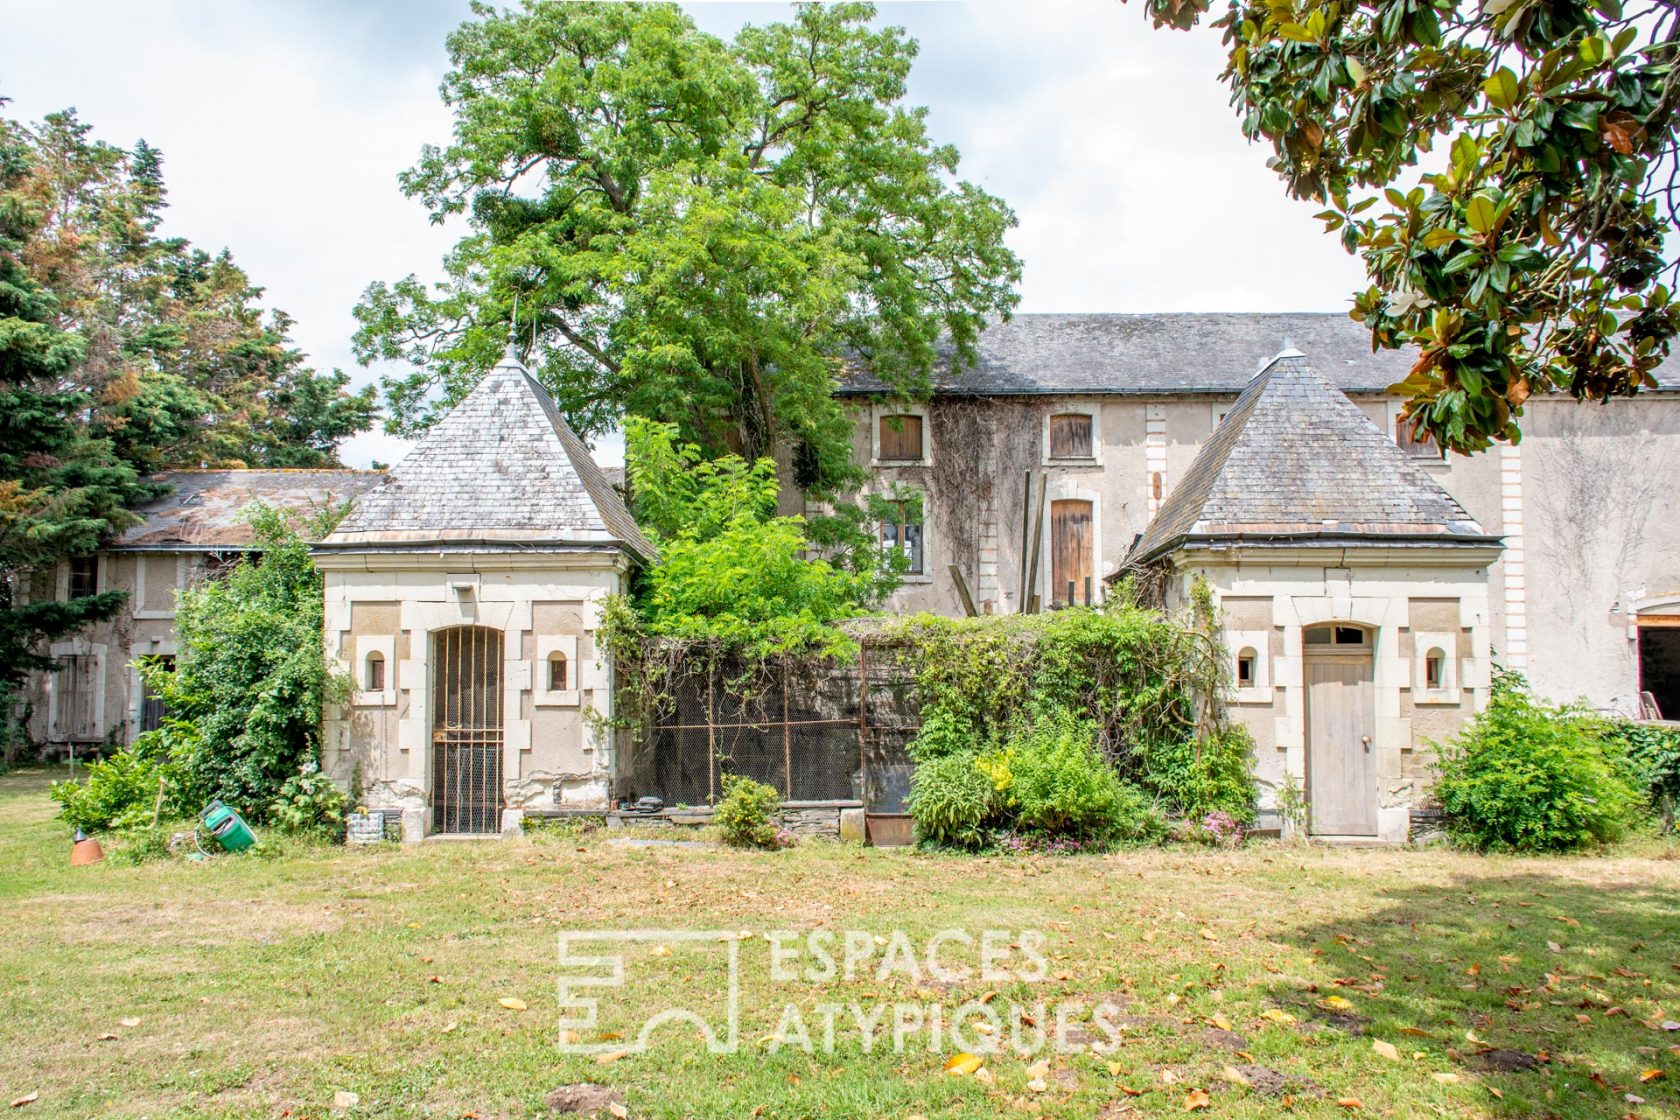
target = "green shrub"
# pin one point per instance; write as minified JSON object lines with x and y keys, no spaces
{"x":117,"y":793}
{"x":1653,"y":758}
{"x":309,"y":803}
{"x":746,"y":815}
{"x":1525,"y":776}
{"x":1213,"y":774}
{"x":140,"y":844}
{"x":951,"y":800}
{"x":1059,"y":783}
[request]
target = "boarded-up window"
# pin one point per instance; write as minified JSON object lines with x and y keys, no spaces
{"x":77,"y":698}
{"x":1418,"y":445}
{"x":901,"y":437}
{"x":84,"y":576}
{"x":903,"y":531}
{"x":1072,"y":551}
{"x":1070,"y":436}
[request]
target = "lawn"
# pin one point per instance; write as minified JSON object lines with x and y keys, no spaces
{"x":1332,"y":982}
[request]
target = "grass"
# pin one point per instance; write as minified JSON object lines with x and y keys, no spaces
{"x":263,"y":986}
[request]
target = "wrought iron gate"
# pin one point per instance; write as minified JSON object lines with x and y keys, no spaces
{"x":467,"y":730}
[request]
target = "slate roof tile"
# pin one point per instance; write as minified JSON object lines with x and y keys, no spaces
{"x":502,"y":466}
{"x":1295,"y":457}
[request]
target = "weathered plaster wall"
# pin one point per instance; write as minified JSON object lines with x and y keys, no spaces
{"x":1588,"y":505}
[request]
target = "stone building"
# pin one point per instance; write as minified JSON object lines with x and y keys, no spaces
{"x":1353,"y":590}
{"x":1094,"y":420}
{"x":188,"y":535}
{"x":463,"y":596}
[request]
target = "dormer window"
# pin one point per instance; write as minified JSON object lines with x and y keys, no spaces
{"x":901,"y":438}
{"x":1070,"y":436}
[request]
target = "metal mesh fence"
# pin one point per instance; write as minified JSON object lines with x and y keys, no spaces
{"x":825,"y":733}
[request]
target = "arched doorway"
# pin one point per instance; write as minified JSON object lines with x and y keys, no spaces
{"x":467,"y":730}
{"x":1341,"y":726}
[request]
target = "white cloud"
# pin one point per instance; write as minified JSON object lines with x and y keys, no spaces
{"x":283,"y":128}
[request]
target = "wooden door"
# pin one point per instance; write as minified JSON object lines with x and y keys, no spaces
{"x":1341,"y":759}
{"x":467,"y":730}
{"x":1072,"y":546}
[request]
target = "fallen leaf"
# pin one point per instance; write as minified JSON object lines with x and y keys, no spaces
{"x":618,"y":1110}
{"x":1197,"y":1101}
{"x":27,"y":1098}
{"x":1415,"y":1032}
{"x":512,"y":1004}
{"x":610,"y":1057}
{"x":346,"y":1099}
{"x":658,"y":951}
{"x":1168,"y":1077}
{"x":567,"y":1037}
{"x":989,"y":996}
{"x":1336,"y":1003}
{"x":1495,"y":1092}
{"x":107,"y":1037}
{"x":128,"y":1022}
{"x":984,"y":1076}
{"x":1172,"y":999}
{"x":1233,"y":1075}
{"x":1131,"y":1092}
{"x":1282,"y":1018}
{"x":961,"y":1065}
{"x":1221,"y":1022}
{"x":1350,"y":1102}
{"x":1115,"y":1069}
{"x":1207,"y":934}
{"x":1385,"y":1049}
{"x":1445,"y":1078}
{"x":1037,"y":1085}
{"x":1650,"y":1075}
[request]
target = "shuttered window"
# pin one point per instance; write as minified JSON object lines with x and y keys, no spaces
{"x":901,"y":437}
{"x":1072,"y":551}
{"x":76,"y":698}
{"x":1417,"y":446}
{"x":1070,"y":436}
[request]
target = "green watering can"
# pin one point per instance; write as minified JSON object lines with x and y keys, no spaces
{"x":227,"y":826}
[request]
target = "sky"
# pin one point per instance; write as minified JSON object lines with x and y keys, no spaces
{"x":283,"y":127}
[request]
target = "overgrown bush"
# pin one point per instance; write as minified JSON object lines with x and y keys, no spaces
{"x":119,"y":792}
{"x":1653,"y":757}
{"x":1212,"y":774}
{"x":1526,"y":776}
{"x":1059,"y":783}
{"x":309,"y":803}
{"x":951,"y":800}
{"x":746,"y":816}
{"x":244,"y":699}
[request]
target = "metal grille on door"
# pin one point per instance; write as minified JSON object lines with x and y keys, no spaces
{"x":467,"y":730}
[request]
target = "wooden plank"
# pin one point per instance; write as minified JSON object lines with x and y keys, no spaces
{"x":1071,"y":546}
{"x":1037,"y":545}
{"x":962,"y":591}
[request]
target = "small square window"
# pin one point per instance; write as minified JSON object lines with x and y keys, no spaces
{"x":901,"y":438}
{"x":557,"y":672}
{"x":1412,"y":442}
{"x":1070,"y":436}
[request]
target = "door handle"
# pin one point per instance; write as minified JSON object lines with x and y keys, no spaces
{"x":1366,"y":739}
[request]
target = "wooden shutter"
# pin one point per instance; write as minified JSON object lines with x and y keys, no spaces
{"x":901,"y":437}
{"x":1070,"y":436}
{"x":1072,"y":546}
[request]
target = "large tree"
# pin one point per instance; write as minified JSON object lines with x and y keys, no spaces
{"x":694,"y":231}
{"x":1532,"y":259}
{"x":183,"y":364}
{"x":62,"y":489}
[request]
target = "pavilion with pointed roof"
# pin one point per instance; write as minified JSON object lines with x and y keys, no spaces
{"x":1352,"y":590}
{"x":463,"y":596}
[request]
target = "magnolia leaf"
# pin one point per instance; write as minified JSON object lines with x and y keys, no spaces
{"x":1197,"y":1101}
{"x":1502,"y":88}
{"x":512,"y":1004}
{"x":963,"y":1064}
{"x":1356,"y":72}
{"x":1385,"y":1049}
{"x":1233,"y":1075}
{"x":1295,"y":33}
{"x":1445,"y":1078}
{"x":1480,"y":213}
{"x":1350,"y":1102}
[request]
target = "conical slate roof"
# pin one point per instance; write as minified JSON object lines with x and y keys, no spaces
{"x":1296,"y":461}
{"x":501,"y":468}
